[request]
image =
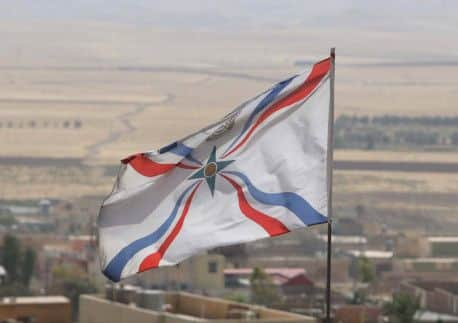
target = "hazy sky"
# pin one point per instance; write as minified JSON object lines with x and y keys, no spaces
{"x":240,"y":13}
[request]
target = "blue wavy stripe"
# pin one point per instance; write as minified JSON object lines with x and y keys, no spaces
{"x":267,"y":100}
{"x":180,"y":149}
{"x":114,"y":269}
{"x":292,"y":201}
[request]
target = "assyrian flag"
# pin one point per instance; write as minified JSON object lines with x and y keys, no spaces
{"x":259,"y":172}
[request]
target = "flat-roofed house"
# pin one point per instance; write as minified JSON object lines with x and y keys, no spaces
{"x":41,"y":309}
{"x":181,"y":308}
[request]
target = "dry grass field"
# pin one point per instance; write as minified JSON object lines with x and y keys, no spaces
{"x":163,"y":106}
{"x":66,"y":182}
{"x":137,"y":88}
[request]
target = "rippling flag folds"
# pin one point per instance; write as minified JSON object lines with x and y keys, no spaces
{"x":259,"y":172}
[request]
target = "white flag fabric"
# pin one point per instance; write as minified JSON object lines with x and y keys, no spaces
{"x":260,"y":172}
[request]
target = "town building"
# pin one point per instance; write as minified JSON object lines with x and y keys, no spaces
{"x":434,"y":296}
{"x":411,"y":245}
{"x":443,"y":247}
{"x":203,"y":272}
{"x":287,"y":280}
{"x":314,"y":266}
{"x":341,"y":243}
{"x":42,"y":309}
{"x":427,"y":264}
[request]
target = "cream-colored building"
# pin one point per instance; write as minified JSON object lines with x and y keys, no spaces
{"x":203,"y":272}
{"x":412,"y":245}
{"x":182,"y":308}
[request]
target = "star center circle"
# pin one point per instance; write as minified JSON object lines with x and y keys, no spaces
{"x":210,"y":170}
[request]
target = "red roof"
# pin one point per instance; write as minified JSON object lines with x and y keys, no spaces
{"x":285,"y":272}
{"x":279,"y":276}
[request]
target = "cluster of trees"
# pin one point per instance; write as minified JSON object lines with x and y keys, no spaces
{"x":418,"y":137}
{"x":402,"y":308}
{"x":263,"y":291}
{"x":363,"y":132}
{"x":370,"y":139}
{"x":76,"y":124}
{"x":19,"y":264}
{"x":396,"y":120}
{"x":386,"y":120}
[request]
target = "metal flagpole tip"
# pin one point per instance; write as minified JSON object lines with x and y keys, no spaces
{"x":333,"y":52}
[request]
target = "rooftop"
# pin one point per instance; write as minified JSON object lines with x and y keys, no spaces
{"x":432,"y":260}
{"x":345,"y":239}
{"x":443,"y":239}
{"x":427,"y":316}
{"x":286,"y":272}
{"x":279,"y":276}
{"x":372,"y":254}
{"x":82,"y":237}
{"x":34,"y":300}
{"x":179,"y":305}
{"x":449,"y":286}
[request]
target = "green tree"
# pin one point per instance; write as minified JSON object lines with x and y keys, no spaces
{"x":71,"y":282}
{"x":366,"y":270}
{"x":19,"y":266}
{"x":11,"y":258}
{"x":28,"y":266}
{"x":402,"y":309}
{"x":263,"y":291}
{"x":14,"y":289}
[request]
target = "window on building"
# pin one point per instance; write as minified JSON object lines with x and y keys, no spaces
{"x":212,"y":267}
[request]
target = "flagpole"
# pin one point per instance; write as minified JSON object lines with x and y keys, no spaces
{"x":329,"y":184}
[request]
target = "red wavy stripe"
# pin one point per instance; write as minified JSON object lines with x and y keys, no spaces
{"x":271,"y":225}
{"x":150,"y":168}
{"x":319,"y":71}
{"x":152,"y":261}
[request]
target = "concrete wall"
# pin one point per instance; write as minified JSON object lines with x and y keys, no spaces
{"x":43,"y":313}
{"x":443,"y":302}
{"x":94,"y":309}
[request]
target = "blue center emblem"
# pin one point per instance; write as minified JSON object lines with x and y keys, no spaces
{"x":210,"y":169}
